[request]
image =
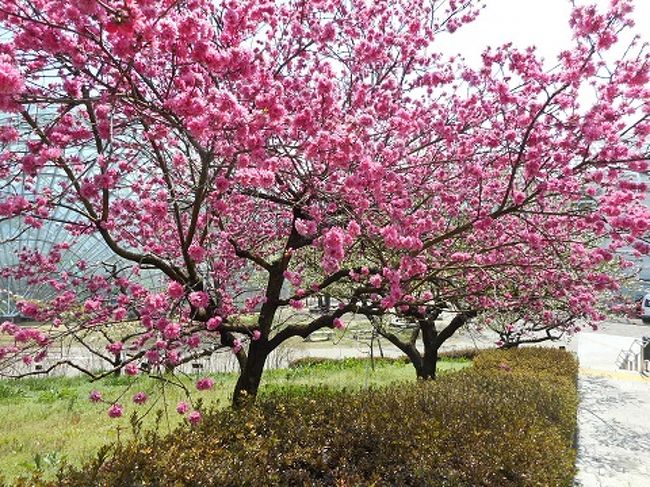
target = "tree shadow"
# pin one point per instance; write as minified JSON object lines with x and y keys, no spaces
{"x":608,"y":445}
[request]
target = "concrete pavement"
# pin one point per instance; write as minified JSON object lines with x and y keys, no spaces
{"x":614,"y":411}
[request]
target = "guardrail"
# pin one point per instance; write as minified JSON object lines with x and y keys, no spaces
{"x":637,"y":357}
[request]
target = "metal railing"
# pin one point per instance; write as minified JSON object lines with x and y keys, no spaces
{"x":634,"y":359}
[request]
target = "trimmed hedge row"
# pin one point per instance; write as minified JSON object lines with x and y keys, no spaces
{"x":549,"y":362}
{"x":508,"y":421}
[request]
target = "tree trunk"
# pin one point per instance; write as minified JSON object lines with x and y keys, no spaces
{"x":429,"y":362}
{"x":117,"y":365}
{"x":425,"y":364}
{"x":251,"y":374}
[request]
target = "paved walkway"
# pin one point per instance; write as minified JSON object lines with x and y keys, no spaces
{"x":614,"y":412}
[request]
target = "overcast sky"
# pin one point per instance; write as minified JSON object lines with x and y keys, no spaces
{"x":543,"y":23}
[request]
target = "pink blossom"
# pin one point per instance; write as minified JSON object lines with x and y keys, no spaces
{"x":194,"y":340}
{"x":152,"y":356}
{"x":255,"y":177}
{"x":518,"y":197}
{"x":173,"y":357}
{"x":305,"y":228}
{"x":156,"y":303}
{"x":338,"y":323}
{"x":182,"y":407}
{"x":119,"y":313}
{"x":461,"y":256}
{"x":196,"y":252}
{"x":194,"y":417}
{"x":354,"y":229}
{"x":297,"y":304}
{"x":115,"y":411}
{"x":115,"y":348}
{"x":172,"y":331}
{"x":214,"y":323}
{"x":95,"y":396}
{"x":13,"y":205}
{"x":256,"y":335}
{"x":204,"y":384}
{"x":175,"y":290}
{"x":11,"y":82}
{"x":28,"y":309}
{"x":140,"y":397}
{"x":334,"y":243}
{"x":293,"y":277}
{"x":131,"y":369}
{"x":200,"y":299}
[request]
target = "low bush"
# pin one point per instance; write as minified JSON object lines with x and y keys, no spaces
{"x":551,"y":362}
{"x":458,"y":354}
{"x":490,"y":425}
{"x":345,"y":363}
{"x":555,"y":374}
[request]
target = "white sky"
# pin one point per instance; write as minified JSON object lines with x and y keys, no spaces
{"x":542,"y":23}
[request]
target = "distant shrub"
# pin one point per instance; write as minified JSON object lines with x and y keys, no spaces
{"x":460,"y":354}
{"x":483,"y":426}
{"x":345,"y":363}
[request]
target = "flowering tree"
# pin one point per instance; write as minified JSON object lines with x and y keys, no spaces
{"x":311,"y":146}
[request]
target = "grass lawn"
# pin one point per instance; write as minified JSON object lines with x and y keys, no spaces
{"x":47,"y":420}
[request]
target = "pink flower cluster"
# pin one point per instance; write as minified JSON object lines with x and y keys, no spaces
{"x":140,"y":398}
{"x":115,"y":411}
{"x":11,"y":83}
{"x":334,"y":242}
{"x":194,"y":417}
{"x":200,"y":299}
{"x":205,"y":384}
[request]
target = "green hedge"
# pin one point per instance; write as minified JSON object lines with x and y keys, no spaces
{"x":458,"y":354}
{"x":551,"y":362}
{"x":508,"y":421}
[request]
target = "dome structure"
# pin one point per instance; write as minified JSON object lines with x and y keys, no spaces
{"x":50,"y":233}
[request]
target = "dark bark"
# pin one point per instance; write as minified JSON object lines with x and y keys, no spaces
{"x":425,"y":363}
{"x":117,"y":366}
{"x":250,"y":376}
{"x":252,"y":368}
{"x":427,"y":366}
{"x":408,"y":348}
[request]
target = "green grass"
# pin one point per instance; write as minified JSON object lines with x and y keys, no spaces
{"x":48,"y":420}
